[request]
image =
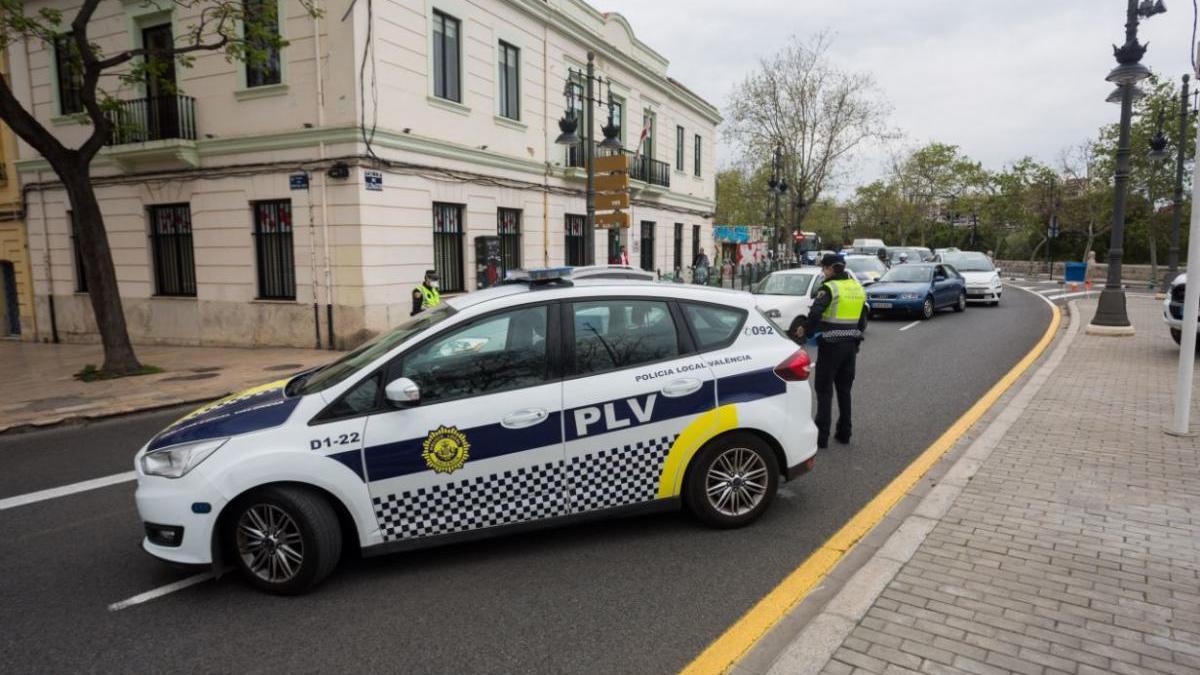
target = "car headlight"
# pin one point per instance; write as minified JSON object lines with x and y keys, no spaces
{"x":774,"y":314}
{"x":910,"y":296}
{"x":177,"y":460}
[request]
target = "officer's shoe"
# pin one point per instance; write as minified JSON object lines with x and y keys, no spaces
{"x":844,"y":439}
{"x":822,"y":443}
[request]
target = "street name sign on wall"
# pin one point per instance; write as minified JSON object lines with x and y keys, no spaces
{"x":373,"y":180}
{"x":298,"y":181}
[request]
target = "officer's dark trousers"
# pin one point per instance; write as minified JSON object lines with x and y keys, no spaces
{"x":835,"y":369}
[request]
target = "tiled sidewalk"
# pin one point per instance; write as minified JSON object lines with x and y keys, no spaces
{"x":1070,"y":545}
{"x":38,"y":387}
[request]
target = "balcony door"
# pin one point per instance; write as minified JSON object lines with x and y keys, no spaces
{"x":161,"y":114}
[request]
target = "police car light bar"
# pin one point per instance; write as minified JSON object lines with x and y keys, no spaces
{"x":544,"y":275}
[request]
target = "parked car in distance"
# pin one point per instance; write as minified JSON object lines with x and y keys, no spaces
{"x":916,"y":254}
{"x":982,"y":277}
{"x":866,"y":268}
{"x":918,"y":288}
{"x":1173,"y":309}
{"x":611,"y":272}
{"x":868,"y":246}
{"x":786,"y":294}
{"x":939,"y":252}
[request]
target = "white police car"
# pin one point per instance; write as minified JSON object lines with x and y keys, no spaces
{"x":525,"y":405}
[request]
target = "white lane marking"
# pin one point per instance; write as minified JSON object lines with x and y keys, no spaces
{"x":915,"y":323}
{"x":160,"y":591}
{"x":1026,"y":288}
{"x":63,"y":491}
{"x":1039,"y":295}
{"x":1064,"y":296}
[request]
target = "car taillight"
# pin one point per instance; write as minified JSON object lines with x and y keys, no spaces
{"x":795,"y":368}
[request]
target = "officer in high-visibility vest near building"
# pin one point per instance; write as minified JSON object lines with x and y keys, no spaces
{"x":426,"y":295}
{"x":838,"y":319}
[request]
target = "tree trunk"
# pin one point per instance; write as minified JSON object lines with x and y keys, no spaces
{"x":1153,"y":251}
{"x":98,"y":269}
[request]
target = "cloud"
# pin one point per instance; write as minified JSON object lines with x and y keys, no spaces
{"x":1001,"y":78}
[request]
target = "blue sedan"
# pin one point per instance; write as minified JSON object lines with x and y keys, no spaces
{"x":920,"y":289}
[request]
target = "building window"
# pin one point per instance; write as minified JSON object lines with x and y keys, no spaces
{"x":696,"y":170}
{"x":575,"y":152}
{"x":80,"y":278}
{"x":619,"y":118}
{"x":508,"y":226}
{"x":446,"y":70}
{"x":695,"y":243}
{"x":577,"y":236}
{"x":648,"y":124}
{"x":679,"y":153}
{"x":261,"y":26}
{"x":614,"y":247}
{"x":70,"y":75}
{"x":448,"y":246}
{"x":678,"y":246}
{"x":171,"y":245}
{"x":648,"y":245}
{"x":510,"y":81}
{"x":273,"y":248}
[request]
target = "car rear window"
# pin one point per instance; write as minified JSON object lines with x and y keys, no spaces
{"x":713,"y":326}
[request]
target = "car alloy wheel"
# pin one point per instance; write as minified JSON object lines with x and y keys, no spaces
{"x":962,"y":303}
{"x":269,"y":543}
{"x":736,"y":482}
{"x":731,"y":480}
{"x":927,"y":309}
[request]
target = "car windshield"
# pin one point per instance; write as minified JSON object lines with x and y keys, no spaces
{"x":970,"y":262}
{"x":785,"y":284}
{"x":908,"y":274}
{"x":865,"y":264}
{"x":333,"y":373}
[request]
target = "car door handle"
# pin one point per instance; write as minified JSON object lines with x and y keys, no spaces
{"x":680,"y":388}
{"x":524,"y":418}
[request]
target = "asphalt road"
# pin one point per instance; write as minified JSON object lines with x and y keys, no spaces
{"x":639,"y":595}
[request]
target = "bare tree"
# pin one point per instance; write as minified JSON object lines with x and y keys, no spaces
{"x":814,"y":112}
{"x":242,"y":30}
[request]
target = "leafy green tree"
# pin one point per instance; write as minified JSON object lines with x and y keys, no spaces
{"x":209,"y":26}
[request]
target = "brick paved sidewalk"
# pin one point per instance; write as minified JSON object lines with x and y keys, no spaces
{"x":1066,"y":539}
{"x":38,"y":387}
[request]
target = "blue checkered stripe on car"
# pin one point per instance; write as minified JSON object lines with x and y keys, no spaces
{"x":596,"y":480}
{"x":620,"y":476}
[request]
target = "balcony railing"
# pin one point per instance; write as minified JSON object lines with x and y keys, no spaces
{"x":641,"y":167}
{"x":155,"y":118}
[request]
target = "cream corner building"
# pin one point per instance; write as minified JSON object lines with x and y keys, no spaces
{"x":269,"y":205}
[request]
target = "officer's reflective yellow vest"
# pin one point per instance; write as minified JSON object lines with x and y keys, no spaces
{"x":429,"y":296}
{"x":846,"y":304}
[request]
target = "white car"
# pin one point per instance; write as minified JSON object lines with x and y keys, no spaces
{"x":612,"y":272}
{"x":866,"y":268}
{"x":784,"y":295}
{"x":1173,"y":309}
{"x":524,"y":405}
{"x":981,"y":276}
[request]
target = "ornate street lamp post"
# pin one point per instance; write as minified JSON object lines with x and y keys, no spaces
{"x":778,"y":187}
{"x":1111,"y":316}
{"x":568,"y":125}
{"x":1158,"y":152}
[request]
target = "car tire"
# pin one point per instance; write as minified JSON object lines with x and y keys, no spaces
{"x":928,"y":309}
{"x":284,"y":540}
{"x":738,"y":455}
{"x":961,"y":305}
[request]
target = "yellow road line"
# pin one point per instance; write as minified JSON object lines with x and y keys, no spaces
{"x":719,"y":656}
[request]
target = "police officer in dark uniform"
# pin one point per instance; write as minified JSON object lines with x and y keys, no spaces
{"x":426,"y":296}
{"x":838,"y":314}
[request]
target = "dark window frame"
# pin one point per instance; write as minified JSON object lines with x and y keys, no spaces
{"x":444,"y":86}
{"x":699,"y":145}
{"x":70,"y":87}
{"x":274,"y":251}
{"x":509,"y":64}
{"x":576,"y":243}
{"x":510,"y":239}
{"x":695,"y":243}
{"x":450,"y":264}
{"x":269,"y":71}
{"x":678,"y":246}
{"x":679,"y":147}
{"x":173,"y":253}
{"x":647,"y":252}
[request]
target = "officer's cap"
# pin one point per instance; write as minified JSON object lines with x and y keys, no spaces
{"x":431,"y":274}
{"x":832,"y":260}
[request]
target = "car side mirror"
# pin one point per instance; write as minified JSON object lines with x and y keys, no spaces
{"x":402,"y":392}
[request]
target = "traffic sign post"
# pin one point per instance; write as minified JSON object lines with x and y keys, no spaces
{"x":616,"y":219}
{"x":612,"y":191}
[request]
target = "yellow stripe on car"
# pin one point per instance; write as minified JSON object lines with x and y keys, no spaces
{"x":703,"y":429}
{"x":208,"y":407}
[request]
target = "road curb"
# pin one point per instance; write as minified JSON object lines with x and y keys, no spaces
{"x":815,"y":645}
{"x":75,"y":420}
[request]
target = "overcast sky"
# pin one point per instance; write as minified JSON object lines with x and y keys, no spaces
{"x":999,"y":78}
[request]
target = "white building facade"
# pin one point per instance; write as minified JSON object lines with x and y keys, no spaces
{"x":300,"y":201}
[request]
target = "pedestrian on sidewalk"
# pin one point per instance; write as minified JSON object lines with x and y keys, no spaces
{"x":838,"y":315}
{"x":426,"y":295}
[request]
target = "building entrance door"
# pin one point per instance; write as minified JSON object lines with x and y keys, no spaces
{"x":9,"y":307}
